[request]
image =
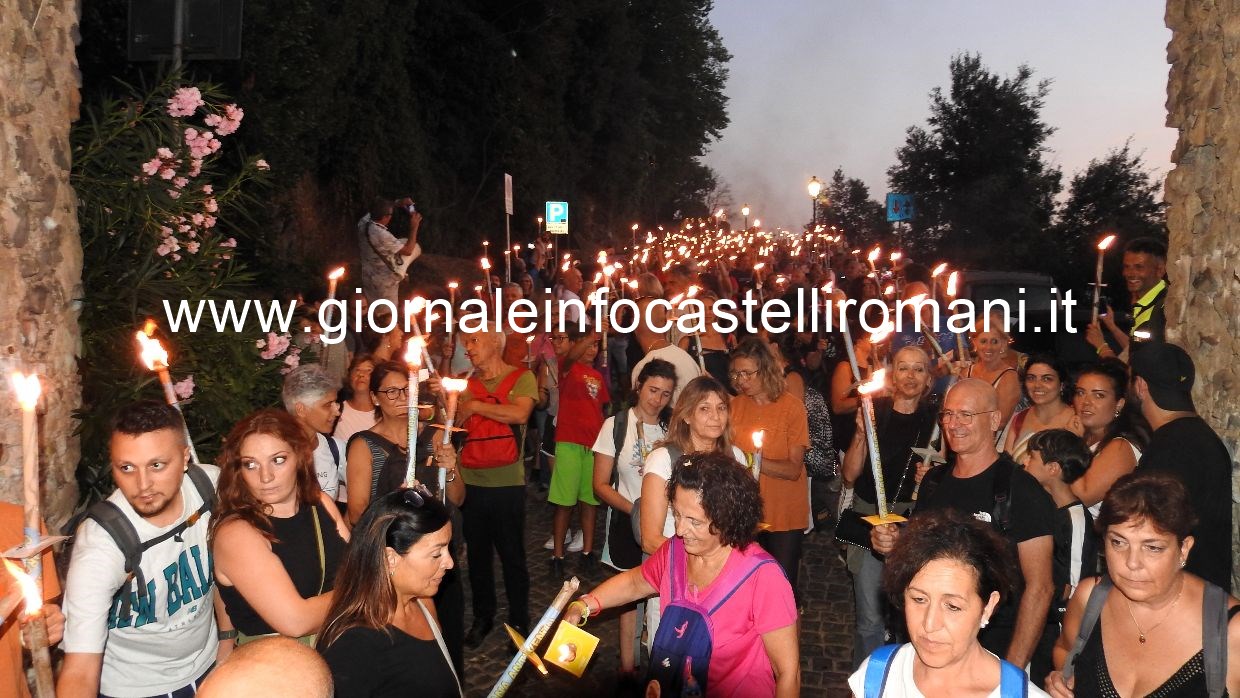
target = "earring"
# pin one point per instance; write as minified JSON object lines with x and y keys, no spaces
{"x":1117,"y":413}
{"x":1183,"y":563}
{"x":985,"y":621}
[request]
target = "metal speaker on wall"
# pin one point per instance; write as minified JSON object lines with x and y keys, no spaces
{"x":211,"y":29}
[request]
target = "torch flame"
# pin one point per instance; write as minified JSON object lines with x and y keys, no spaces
{"x":565,"y":266}
{"x":336,"y":274}
{"x":453,"y":285}
{"x":895,"y":256}
{"x":153,"y":353}
{"x":942,"y":267}
{"x":27,"y":388}
{"x":951,"y":283}
{"x":693,"y":291}
{"x":757,"y":438}
{"x":1106,"y":242}
{"x":417,"y":304}
{"x":608,"y":270}
{"x":874,"y":253}
{"x":633,"y":284}
{"x":413,"y":355}
{"x":891,"y":289}
{"x":874,"y":384}
{"x":882,"y":333}
{"x":486,"y":264}
{"x":30,"y":590}
{"x":917,"y":299}
{"x":453,"y":385}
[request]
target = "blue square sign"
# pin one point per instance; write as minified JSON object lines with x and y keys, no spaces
{"x":557,"y":217}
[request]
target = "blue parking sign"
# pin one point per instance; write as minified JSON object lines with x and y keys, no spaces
{"x":557,"y":217}
{"x":899,"y":207}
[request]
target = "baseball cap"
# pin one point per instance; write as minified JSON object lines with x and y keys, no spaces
{"x":1169,"y":372}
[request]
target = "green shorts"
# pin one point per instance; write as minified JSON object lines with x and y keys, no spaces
{"x":572,"y":479}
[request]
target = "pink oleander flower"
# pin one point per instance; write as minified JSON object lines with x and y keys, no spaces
{"x":208,"y":189}
{"x":184,"y":228}
{"x":184,"y":388}
{"x":180,"y":182}
{"x":276,"y":345}
{"x":230,"y":242}
{"x":176,"y":257}
{"x":227,"y":123}
{"x":151,"y":167}
{"x":174,"y":193}
{"x":164,"y":249}
{"x":195,"y":167}
{"x":198,"y":219}
{"x":192,"y":247}
{"x":167,"y":173}
{"x":292,"y":360}
{"x":262,"y":164}
{"x":165,"y":153}
{"x":211,"y":205}
{"x":209,"y":222}
{"x":165,"y":230}
{"x":260,"y":343}
{"x":185,"y":101}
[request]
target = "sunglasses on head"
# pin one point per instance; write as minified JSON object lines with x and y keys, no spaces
{"x":416,"y":497}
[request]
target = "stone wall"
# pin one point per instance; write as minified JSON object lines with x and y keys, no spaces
{"x":40,"y":249}
{"x":1203,"y":194}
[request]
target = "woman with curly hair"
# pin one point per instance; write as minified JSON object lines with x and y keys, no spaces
{"x":947,"y":574}
{"x":713,"y":565}
{"x":276,"y":537}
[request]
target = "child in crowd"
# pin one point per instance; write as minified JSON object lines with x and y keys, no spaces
{"x":1056,"y":458}
{"x":583,"y":394}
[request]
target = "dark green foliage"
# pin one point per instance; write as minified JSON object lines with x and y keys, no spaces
{"x":850,"y":209}
{"x":130,"y":269}
{"x":1116,"y":194}
{"x":984,"y":193}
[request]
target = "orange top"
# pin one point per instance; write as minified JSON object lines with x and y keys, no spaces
{"x":12,"y":678}
{"x":785,"y":502}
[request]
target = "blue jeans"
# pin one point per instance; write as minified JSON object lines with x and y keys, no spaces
{"x":871,"y":632}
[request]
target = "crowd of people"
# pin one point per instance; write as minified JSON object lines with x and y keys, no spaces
{"x":1032,"y":489}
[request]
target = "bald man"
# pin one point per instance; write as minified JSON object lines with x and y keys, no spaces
{"x":980,"y":481}
{"x":270,"y":668}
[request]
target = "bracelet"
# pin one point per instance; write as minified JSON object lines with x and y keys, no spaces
{"x":585,"y":613}
{"x":227,"y":635}
{"x":586,"y":599}
{"x":1101,"y":348}
{"x":451,"y":475}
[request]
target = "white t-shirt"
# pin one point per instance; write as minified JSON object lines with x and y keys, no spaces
{"x":900,"y":682}
{"x":659,"y":462}
{"x":686,"y":368}
{"x":352,"y":421}
{"x":166,"y":644}
{"x":633,"y":452}
{"x":325,"y":467}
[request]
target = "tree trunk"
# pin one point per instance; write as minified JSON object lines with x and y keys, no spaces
{"x":1203,"y":197}
{"x":40,"y":248}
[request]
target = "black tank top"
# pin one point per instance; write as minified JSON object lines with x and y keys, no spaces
{"x":1093,"y":677}
{"x":296,"y":545}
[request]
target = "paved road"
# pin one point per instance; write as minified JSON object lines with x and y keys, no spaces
{"x":826,"y":626}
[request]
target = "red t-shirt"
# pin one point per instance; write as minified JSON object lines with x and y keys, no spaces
{"x":583,"y":392}
{"x":739,"y":666}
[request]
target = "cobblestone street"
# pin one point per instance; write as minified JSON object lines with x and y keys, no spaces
{"x":826,"y":626}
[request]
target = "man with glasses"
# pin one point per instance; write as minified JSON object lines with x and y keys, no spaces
{"x":980,"y":481}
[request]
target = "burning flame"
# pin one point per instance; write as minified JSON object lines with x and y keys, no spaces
{"x":828,"y":287}
{"x":486,"y":264}
{"x":757,"y":439}
{"x":453,"y":285}
{"x":153,"y":353}
{"x":918,"y":298}
{"x":890,"y":290}
{"x":336,"y":274}
{"x":874,"y":384}
{"x":951,"y":283}
{"x":882,"y":333}
{"x":693,"y":291}
{"x":1106,"y":242}
{"x":529,"y":339}
{"x":633,"y":284}
{"x":874,"y":253}
{"x":27,"y":388}
{"x":30,"y":590}
{"x":565,"y":266}
{"x":608,"y":270}
{"x":942,"y":267}
{"x":413,"y":355}
{"x":453,"y":385}
{"x":416,"y":304}
{"x":895,"y":256}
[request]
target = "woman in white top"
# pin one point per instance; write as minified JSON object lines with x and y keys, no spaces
{"x":357,"y":413}
{"x":946,"y":574}
{"x":1114,"y":435}
{"x":642,"y":426}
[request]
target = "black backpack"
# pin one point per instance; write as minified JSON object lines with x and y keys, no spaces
{"x":112,"y":520}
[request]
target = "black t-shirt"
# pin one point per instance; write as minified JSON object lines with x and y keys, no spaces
{"x":389,"y":663}
{"x":1076,"y":552}
{"x":897,"y":435}
{"x":1031,"y":514}
{"x":1189,"y":449}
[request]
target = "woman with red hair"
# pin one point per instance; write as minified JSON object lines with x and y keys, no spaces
{"x":276,"y":538}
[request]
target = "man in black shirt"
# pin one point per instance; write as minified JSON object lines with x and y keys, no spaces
{"x":971,"y":419}
{"x":1183,"y":444}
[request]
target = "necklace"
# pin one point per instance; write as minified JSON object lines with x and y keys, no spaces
{"x":1141,"y":633}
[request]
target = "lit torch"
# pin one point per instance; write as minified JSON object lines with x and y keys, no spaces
{"x":35,"y":630}
{"x":1102,"y":251}
{"x":961,"y":353}
{"x":413,"y":359}
{"x":28,"y":390}
{"x":452,"y":388}
{"x":872,"y":258}
{"x":155,"y":357}
{"x":757,"y":437}
{"x":866,"y":390}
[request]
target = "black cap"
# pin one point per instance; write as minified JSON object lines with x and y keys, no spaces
{"x":1169,"y":372}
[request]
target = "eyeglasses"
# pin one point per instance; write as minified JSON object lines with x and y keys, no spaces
{"x":734,"y":375}
{"x":395,"y":393}
{"x":962,"y":418}
{"x":416,"y":497}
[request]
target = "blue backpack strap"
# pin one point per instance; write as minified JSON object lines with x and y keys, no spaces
{"x":335,"y":449}
{"x":1013,"y":682}
{"x":877,"y":670}
{"x":740,"y":580}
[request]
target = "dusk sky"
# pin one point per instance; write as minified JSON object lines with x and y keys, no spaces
{"x":820,"y":84}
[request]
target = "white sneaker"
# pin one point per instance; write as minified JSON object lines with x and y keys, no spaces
{"x":572,"y":542}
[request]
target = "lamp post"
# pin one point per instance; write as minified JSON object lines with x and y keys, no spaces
{"x":745,"y":213}
{"x":814,"y":188}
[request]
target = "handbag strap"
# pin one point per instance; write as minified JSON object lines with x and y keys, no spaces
{"x":318,"y":538}
{"x":430,"y":620}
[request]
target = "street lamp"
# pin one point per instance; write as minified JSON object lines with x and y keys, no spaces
{"x":745,"y":213}
{"x":815,"y":188}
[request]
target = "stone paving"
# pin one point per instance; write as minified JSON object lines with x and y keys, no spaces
{"x":826,"y":626}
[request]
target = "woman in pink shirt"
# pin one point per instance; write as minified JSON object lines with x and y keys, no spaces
{"x":712,"y":567}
